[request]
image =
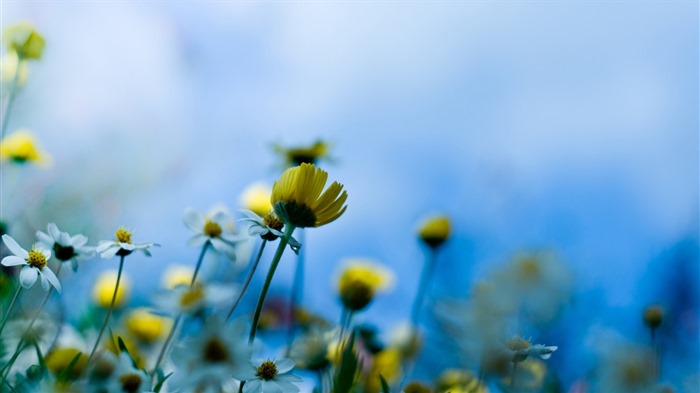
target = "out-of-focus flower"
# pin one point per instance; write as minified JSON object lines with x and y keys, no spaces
{"x":625,"y":368}
{"x":35,"y":265}
{"x":66,"y":248}
{"x":539,"y":283}
{"x":24,"y":40}
{"x":177,"y":275}
{"x":8,"y":68}
{"x":208,"y":360}
{"x":268,"y":227}
{"x":359,"y":282}
{"x":297,"y":199}
{"x":21,"y":147}
{"x":417,"y":387}
{"x":127,"y":378}
{"x":122,"y":245}
{"x":407,"y":339}
{"x":145,"y":326}
{"x":216,"y":227}
{"x":653,"y":315}
{"x":103,"y":289}
{"x":294,"y":156}
{"x":434,"y":231}
{"x":386,"y":363}
{"x":256,"y":198}
{"x":60,"y":358}
{"x":264,"y":376}
{"x":529,"y":376}
{"x":459,"y":381}
{"x":521,"y":349}
{"x":311,"y":350}
{"x":186,"y":299}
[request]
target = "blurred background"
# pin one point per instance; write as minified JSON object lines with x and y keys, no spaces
{"x":565,"y":126}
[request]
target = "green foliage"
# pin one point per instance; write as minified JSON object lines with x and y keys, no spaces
{"x":345,"y":378}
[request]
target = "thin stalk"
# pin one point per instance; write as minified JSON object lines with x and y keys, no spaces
{"x":247,"y":280}
{"x":199,"y":262}
{"x":109,"y":311}
{"x":11,"y":97}
{"x":297,"y":293}
{"x":425,"y":277}
{"x":345,"y":323}
{"x":9,"y":309}
{"x":512,"y":376}
{"x":166,"y":344}
{"x":268,"y":280}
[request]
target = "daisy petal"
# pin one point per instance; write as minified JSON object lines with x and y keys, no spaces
{"x":224,"y":248}
{"x":28,"y":276}
{"x":12,"y":260}
{"x":284,"y":365}
{"x":110,"y":252}
{"x":193,"y":220}
{"x":53,"y":231}
{"x":14,"y":247}
{"x":44,"y":238}
{"x":197,"y":240}
{"x":49,"y":275}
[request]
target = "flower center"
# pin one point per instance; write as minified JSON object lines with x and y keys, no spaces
{"x":192,"y":296}
{"x":215,"y":351}
{"x":36,"y":259}
{"x":272,"y":221}
{"x":299,"y":215}
{"x":123,"y":236}
{"x":130,"y":382}
{"x":267,"y":370}
{"x":530,"y":268}
{"x":518,"y":344}
{"x":63,"y":253}
{"x":212,"y":229}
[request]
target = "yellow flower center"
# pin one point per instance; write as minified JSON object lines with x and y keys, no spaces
{"x":123,"y":236}
{"x":518,"y":344}
{"x":130,"y":382}
{"x":267,"y":370}
{"x":215,"y":351}
{"x":212,"y":229}
{"x":36,"y":259}
{"x":530,"y":268}
{"x":272,"y":221}
{"x":192,"y":296}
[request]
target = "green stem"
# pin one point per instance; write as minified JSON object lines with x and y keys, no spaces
{"x":425,"y":277}
{"x":512,"y":376}
{"x":247,"y":280}
{"x":297,"y":293}
{"x":109,"y":311}
{"x":166,"y":344}
{"x":9,"y":309}
{"x":270,"y":273}
{"x":11,"y":97}
{"x":199,"y":262}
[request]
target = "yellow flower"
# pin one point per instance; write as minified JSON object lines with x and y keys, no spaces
{"x":529,"y":375}
{"x":256,"y":198}
{"x":25,"y":40}
{"x":104,"y":288}
{"x":303,"y":154}
{"x":8,"y":67}
{"x":386,"y":363}
{"x":21,"y":147}
{"x":59,"y":358}
{"x":145,"y":326}
{"x":459,"y":381}
{"x":360,"y":280}
{"x":177,"y":275}
{"x":434,"y":230}
{"x":297,"y":199}
{"x":653,"y":315}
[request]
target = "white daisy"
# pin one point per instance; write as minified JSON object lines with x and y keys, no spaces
{"x":208,"y":360}
{"x":66,"y":248}
{"x":122,"y":245}
{"x":186,"y":299}
{"x":268,"y":227}
{"x":127,"y":378}
{"x":521,"y":349}
{"x":215,"y":227}
{"x":269,"y":376}
{"x":34,"y":262}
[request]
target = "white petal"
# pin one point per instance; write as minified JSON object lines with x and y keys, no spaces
{"x":28,"y":275}
{"x":256,"y":230}
{"x":44,"y":238}
{"x":285,"y":387}
{"x":220,"y":217}
{"x":78,"y":240}
{"x":64,"y":239}
{"x":14,"y":247}
{"x":127,"y":246}
{"x":251,"y":215}
{"x":110,"y":252}
{"x":197,"y":240}
{"x":288,"y":378}
{"x":253,"y":386}
{"x":193,"y":220}
{"x":51,"y":277}
{"x":104,"y":245}
{"x":53,"y":231}
{"x":45,"y":252}
{"x":284,"y":365}
{"x":224,"y":248}
{"x":13,"y":260}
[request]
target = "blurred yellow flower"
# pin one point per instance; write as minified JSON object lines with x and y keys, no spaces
{"x":59,"y":358}
{"x":360,"y":280}
{"x":104,"y":288}
{"x":303,"y":154}
{"x":177,"y":275}
{"x":21,"y":147}
{"x":25,"y":40}
{"x":256,"y":198}
{"x":8,"y":67}
{"x":146,"y":326}
{"x":529,"y":375}
{"x":459,"y":381}
{"x":653,"y":315}
{"x":434,"y":230}
{"x":386,"y":363}
{"x":297,"y":199}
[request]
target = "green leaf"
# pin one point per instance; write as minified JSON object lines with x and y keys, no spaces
{"x":161,"y":380}
{"x":65,"y":375}
{"x":345,"y":379}
{"x":385,"y":386}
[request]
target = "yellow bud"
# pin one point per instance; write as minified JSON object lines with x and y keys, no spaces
{"x":145,"y":326}
{"x":433,"y":231}
{"x":653,"y":315}
{"x":21,"y":147}
{"x":360,"y":281}
{"x":103,"y":289}
{"x":25,"y":40}
{"x":59,"y":358}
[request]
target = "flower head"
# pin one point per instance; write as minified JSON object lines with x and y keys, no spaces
{"x":35,"y":265}
{"x":65,"y":248}
{"x":122,"y":245}
{"x":435,"y":230}
{"x":145,"y":326}
{"x":103,"y":289}
{"x":303,"y":154}
{"x":311,"y":350}
{"x":653,"y":315}
{"x":186,"y":299}
{"x":521,"y":349}
{"x":127,"y":378}
{"x":24,"y":40}
{"x":216,"y":227}
{"x":360,"y":280}
{"x":297,"y":199}
{"x":268,"y":227}
{"x":459,"y":381}
{"x":271,"y":375}
{"x":257,"y":198}
{"x":21,"y":147}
